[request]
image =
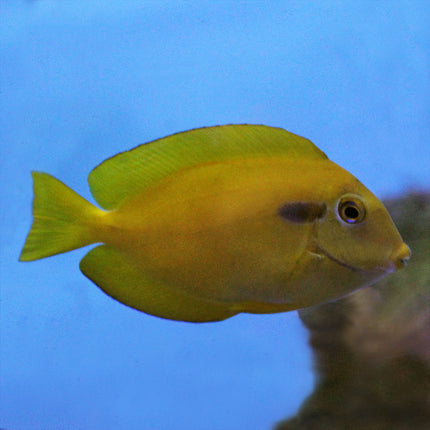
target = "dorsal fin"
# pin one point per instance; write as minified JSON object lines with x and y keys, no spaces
{"x":128,"y":173}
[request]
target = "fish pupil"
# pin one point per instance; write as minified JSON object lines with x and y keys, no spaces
{"x":352,"y":213}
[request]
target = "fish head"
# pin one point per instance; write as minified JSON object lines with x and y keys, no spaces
{"x":358,"y":233}
{"x":352,"y":240}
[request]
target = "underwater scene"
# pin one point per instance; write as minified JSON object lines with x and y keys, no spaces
{"x":215,"y":215}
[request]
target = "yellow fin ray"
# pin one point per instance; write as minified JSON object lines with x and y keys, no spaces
{"x":127,"y":174}
{"x":115,"y":274}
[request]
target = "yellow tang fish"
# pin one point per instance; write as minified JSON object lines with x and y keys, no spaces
{"x":205,"y":224}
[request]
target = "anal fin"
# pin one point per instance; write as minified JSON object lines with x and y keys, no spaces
{"x":119,"y":278}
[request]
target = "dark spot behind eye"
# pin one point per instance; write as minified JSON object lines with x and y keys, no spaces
{"x":301,"y":212}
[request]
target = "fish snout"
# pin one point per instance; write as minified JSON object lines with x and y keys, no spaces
{"x":401,"y":256}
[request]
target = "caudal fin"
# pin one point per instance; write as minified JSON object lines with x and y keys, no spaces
{"x":62,"y":219}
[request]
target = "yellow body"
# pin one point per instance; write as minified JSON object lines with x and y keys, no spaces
{"x":201,"y":237}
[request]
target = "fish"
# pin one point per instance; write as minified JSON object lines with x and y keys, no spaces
{"x":208,"y":223}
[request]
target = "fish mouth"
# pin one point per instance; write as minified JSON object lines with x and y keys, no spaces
{"x":401,"y":256}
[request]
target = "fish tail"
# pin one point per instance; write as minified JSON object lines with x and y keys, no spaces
{"x":62,"y":219}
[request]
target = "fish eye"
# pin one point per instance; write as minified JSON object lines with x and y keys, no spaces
{"x":351,"y":210}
